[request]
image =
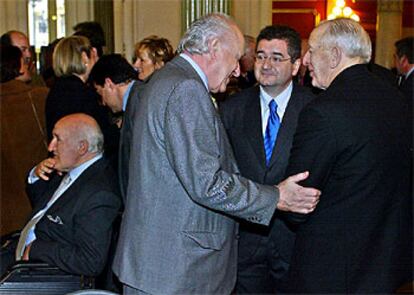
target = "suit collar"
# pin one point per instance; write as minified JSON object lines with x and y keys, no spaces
{"x":253,"y":123}
{"x":76,"y":186}
{"x":197,"y":68}
{"x":253,"y":126}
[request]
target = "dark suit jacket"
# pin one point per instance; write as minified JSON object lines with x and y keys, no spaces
{"x":241,"y":115}
{"x":355,"y":139}
{"x":407,"y":87}
{"x":126,"y":136}
{"x":87,"y":209}
{"x":70,"y":95}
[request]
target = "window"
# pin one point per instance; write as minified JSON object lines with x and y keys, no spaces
{"x":46,"y":23}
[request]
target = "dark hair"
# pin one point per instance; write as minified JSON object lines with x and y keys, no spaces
{"x":10,"y":62}
{"x":285,"y":33}
{"x":112,"y":66}
{"x":406,"y":47}
{"x":5,"y":39}
{"x":94,"y":32}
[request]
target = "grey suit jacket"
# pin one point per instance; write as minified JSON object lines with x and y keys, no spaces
{"x":126,"y":135}
{"x":177,"y":234}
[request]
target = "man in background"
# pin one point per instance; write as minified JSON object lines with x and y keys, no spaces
{"x":264,"y":252}
{"x":21,"y":41}
{"x":94,"y":32}
{"x":404,"y":62}
{"x":116,"y":82}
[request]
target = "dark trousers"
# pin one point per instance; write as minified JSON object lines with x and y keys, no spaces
{"x":261,"y":269}
{"x":7,"y":255}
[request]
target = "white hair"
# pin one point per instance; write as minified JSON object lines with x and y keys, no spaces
{"x":203,"y":30}
{"x":348,"y":35}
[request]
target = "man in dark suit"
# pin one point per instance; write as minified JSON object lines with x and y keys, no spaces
{"x":263,"y":262}
{"x":71,"y":223}
{"x":116,"y":82}
{"x":355,"y":138}
{"x":404,"y":62}
{"x":177,"y":234}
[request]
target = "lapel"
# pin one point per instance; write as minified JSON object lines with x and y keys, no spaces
{"x":47,"y":195}
{"x":72,"y":193}
{"x":287,"y":129}
{"x":252,"y":125}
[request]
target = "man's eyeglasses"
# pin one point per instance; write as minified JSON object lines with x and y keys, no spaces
{"x":274,"y":60}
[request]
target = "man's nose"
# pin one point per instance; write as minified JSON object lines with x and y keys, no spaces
{"x":306,"y":59}
{"x":52,"y":145}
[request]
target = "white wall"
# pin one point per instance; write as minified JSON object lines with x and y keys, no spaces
{"x":137,"y":19}
{"x":13,"y":16}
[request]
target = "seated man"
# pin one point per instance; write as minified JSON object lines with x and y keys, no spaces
{"x":75,"y":200}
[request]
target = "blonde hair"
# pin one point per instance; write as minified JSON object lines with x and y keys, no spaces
{"x":67,"y":56}
{"x":159,"y":49}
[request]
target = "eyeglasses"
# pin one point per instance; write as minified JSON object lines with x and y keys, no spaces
{"x":274,"y":60}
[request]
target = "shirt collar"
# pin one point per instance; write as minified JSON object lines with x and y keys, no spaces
{"x":196,"y":68}
{"x":281,"y":100}
{"x":409,"y":73}
{"x":76,"y":172}
{"x":126,"y":95}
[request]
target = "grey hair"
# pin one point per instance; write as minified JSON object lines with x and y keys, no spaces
{"x":95,"y":139}
{"x":93,"y":135}
{"x":348,"y":35}
{"x":203,"y":30}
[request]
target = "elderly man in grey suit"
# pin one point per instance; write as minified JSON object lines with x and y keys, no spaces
{"x":178,"y":235}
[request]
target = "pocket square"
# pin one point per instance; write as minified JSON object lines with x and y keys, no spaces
{"x":57,"y":219}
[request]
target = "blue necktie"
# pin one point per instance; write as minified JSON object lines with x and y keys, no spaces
{"x":272,"y":128}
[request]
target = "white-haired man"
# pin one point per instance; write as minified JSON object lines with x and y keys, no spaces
{"x":177,"y":234}
{"x":355,"y":140}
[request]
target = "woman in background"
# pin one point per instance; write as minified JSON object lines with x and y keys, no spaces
{"x":151,"y":54}
{"x":73,"y":59}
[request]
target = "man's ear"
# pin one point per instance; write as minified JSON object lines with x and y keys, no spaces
{"x":335,"y":56}
{"x":109,"y":83}
{"x":296,"y":66}
{"x":83,"y":147}
{"x":85,"y":58}
{"x":94,"y":53}
{"x":404,"y":61}
{"x":214,"y":47}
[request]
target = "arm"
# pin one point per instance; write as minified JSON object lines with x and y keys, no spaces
{"x":313,"y":149}
{"x":194,"y":145}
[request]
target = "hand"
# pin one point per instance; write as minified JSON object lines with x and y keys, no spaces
{"x":296,"y":198}
{"x":44,"y":168}
{"x":26,"y":252}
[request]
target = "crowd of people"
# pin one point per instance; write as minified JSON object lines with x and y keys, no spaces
{"x":236,"y":164}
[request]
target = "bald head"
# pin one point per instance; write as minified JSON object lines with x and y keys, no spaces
{"x":77,"y":138}
{"x":20,"y":40}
